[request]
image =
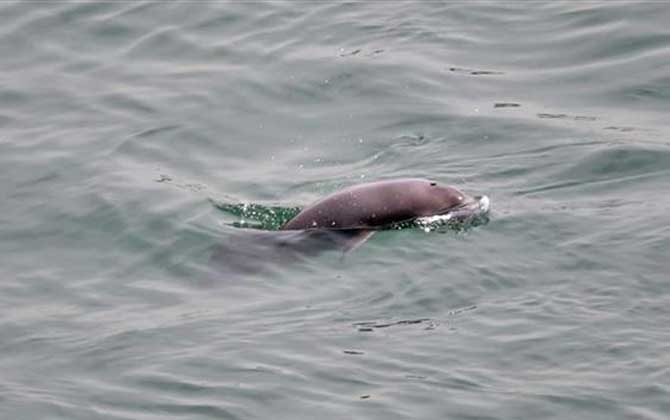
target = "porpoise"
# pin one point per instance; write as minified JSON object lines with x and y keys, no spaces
{"x":362,"y":209}
{"x":344,"y":220}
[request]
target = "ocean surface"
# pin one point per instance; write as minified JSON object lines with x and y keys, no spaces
{"x":145,"y":147}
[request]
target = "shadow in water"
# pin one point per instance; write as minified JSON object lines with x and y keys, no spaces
{"x":251,"y":251}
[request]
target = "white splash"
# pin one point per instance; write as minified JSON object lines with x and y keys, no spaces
{"x":474,"y":210}
{"x":429,"y":220}
{"x":484,"y":204}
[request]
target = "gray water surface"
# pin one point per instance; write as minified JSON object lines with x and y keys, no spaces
{"x":123,"y":124}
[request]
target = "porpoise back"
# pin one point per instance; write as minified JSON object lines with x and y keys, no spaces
{"x":375,"y":205}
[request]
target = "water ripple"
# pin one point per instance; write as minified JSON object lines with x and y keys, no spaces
{"x":121,"y":123}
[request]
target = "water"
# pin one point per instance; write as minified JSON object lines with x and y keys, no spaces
{"x":123,"y":124}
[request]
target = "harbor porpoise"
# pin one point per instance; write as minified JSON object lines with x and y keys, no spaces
{"x":344,"y":220}
{"x":362,"y":209}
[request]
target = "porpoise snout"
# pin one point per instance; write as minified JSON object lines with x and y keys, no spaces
{"x":473,"y":207}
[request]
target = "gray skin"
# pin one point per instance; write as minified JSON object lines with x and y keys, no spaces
{"x":378,"y":204}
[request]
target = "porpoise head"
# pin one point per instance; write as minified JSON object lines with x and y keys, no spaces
{"x":433,"y":199}
{"x":446,"y":203}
